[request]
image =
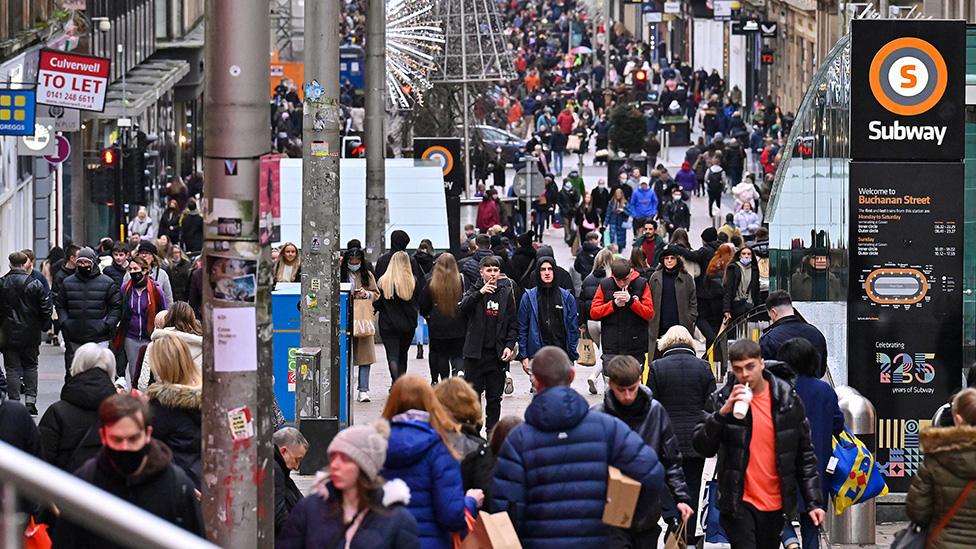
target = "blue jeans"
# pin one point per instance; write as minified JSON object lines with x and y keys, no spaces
{"x":364,"y":378}
{"x":557,"y":162}
{"x":808,"y":532}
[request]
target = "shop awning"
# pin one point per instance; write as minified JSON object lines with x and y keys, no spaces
{"x":144,"y":85}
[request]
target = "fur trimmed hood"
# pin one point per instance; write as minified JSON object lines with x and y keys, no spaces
{"x":394,"y":492}
{"x":953,"y":447}
{"x":176,"y":396}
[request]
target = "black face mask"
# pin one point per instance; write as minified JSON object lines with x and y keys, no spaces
{"x":124,"y":461}
{"x":139,"y":279}
{"x":85,"y":271}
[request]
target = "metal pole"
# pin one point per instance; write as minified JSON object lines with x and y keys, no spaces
{"x":375,"y":134}
{"x":320,"y":190}
{"x":467,"y":135}
{"x":726,"y":52}
{"x":606,"y":42}
{"x":238,"y":463}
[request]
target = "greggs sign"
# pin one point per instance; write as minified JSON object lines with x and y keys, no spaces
{"x":916,"y":76}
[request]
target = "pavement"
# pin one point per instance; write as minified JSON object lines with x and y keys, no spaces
{"x":51,"y":362}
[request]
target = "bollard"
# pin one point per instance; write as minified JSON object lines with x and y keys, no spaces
{"x":856,"y":525}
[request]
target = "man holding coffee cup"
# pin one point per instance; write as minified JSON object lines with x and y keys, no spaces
{"x":762,"y":435}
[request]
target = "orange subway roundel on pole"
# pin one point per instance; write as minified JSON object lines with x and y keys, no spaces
{"x":908,"y":76}
{"x":908,"y":90}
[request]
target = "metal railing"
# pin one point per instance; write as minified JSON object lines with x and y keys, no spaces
{"x":24,"y":476}
{"x":750,"y":325}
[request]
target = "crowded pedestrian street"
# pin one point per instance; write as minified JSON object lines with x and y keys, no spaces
{"x":449,"y":274}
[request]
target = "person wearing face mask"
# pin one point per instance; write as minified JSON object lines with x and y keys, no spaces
{"x":677,"y":215}
{"x":600,"y":197}
{"x":133,"y":466}
{"x":89,"y":307}
{"x":142,"y":298}
{"x":674,"y":297}
{"x":740,"y":285}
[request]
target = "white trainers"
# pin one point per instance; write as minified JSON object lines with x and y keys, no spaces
{"x":363,"y":396}
{"x":509,"y":385}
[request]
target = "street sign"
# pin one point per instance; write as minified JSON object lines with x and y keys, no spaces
{"x":41,"y":143}
{"x":769,"y":29}
{"x":745,"y":26}
{"x":62,"y":150}
{"x":767,"y":57}
{"x":65,"y":120}
{"x":17,"y":112}
{"x":672,"y":6}
{"x":722,"y":10}
{"x":653,"y":17}
{"x":73,"y":81}
{"x":909,"y":90}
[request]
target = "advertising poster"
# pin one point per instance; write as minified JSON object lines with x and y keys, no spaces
{"x":906,"y":228}
{"x":905,"y":301}
{"x":269,"y":204}
{"x":17,"y":112}
{"x":72,"y":81}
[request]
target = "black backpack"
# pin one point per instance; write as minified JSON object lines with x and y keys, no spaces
{"x":715,"y":183}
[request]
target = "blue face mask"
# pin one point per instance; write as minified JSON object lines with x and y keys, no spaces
{"x":355,"y":266}
{"x":745,"y":260}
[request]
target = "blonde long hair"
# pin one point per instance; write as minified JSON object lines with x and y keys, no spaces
{"x":172,"y":362}
{"x":398,"y":278}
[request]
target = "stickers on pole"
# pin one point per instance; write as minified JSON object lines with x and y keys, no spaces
{"x":241,"y":424}
{"x":72,"y":81}
{"x":235,"y":339}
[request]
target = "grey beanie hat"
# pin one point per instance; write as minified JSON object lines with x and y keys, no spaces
{"x":364,"y":444}
{"x":88,"y":253}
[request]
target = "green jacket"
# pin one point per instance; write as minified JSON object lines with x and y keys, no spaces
{"x":950,"y":462}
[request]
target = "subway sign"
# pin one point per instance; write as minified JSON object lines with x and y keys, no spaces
{"x":908,"y":78}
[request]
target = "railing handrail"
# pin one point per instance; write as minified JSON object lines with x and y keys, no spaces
{"x":91,"y":506}
{"x":751,"y":316}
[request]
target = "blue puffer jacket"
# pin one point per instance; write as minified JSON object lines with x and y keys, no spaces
{"x":643,"y":203}
{"x":530,"y":334}
{"x":417,"y":455}
{"x":551,"y":474}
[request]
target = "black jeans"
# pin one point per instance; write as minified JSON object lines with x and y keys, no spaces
{"x":21,"y":367}
{"x":443,"y":355}
{"x":397,"y":344}
{"x":751,"y":528}
{"x":714,"y":199}
{"x":487,"y":375}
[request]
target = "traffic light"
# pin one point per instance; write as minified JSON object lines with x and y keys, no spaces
{"x":640,"y":79}
{"x":134,"y":177}
{"x":110,"y":157}
{"x":103,"y":178}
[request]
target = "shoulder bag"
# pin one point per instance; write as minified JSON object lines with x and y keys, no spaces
{"x":916,"y":537}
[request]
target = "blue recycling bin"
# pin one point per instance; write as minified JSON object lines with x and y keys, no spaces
{"x":286,"y":322}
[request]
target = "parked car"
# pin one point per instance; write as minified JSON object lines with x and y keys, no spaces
{"x":512,"y":146}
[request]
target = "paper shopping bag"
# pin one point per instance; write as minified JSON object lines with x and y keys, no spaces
{"x":622,"y":494}
{"x":492,"y":531}
{"x":586,"y":350}
{"x":363,"y":324}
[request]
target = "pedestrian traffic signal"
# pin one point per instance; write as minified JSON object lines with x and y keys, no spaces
{"x":640,"y":79}
{"x":110,"y":157}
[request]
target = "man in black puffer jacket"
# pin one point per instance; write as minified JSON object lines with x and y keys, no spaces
{"x":89,"y":307}
{"x":633,"y":403}
{"x":25,"y":312}
{"x":470,"y":266}
{"x":762,"y":457}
